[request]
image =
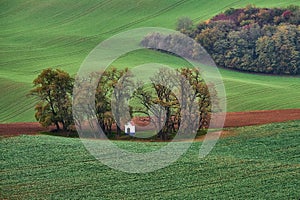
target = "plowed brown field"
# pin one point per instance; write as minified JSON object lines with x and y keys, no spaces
{"x":233,"y":119}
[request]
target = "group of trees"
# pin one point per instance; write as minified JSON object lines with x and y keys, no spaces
{"x":173,"y":44}
{"x":254,"y":39}
{"x":118,"y":92}
{"x":249,"y":39}
{"x":110,"y":97}
{"x":188,"y":108}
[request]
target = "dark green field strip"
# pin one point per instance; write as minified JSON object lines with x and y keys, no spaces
{"x":187,"y":184}
{"x":259,"y":162}
{"x":189,"y":181}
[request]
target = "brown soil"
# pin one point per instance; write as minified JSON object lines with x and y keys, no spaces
{"x":19,"y":128}
{"x":233,"y":119}
{"x":238,"y":119}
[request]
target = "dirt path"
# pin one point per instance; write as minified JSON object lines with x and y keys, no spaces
{"x":233,"y":119}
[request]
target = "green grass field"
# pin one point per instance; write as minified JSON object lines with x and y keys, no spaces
{"x":60,"y":34}
{"x":259,"y":162}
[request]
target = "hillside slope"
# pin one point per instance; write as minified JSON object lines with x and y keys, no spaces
{"x":60,"y":33}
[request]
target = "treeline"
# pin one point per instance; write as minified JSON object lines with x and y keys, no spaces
{"x":249,"y":39}
{"x":189,"y":107}
{"x":173,"y":44}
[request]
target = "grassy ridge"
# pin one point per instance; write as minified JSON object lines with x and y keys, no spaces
{"x":244,"y":91}
{"x":60,"y":34}
{"x":260,"y":162}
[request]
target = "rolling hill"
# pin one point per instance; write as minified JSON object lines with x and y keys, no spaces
{"x":60,"y":34}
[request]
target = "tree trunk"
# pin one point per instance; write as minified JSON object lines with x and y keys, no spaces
{"x":57,"y":126}
{"x":102,"y":126}
{"x":118,"y":131}
{"x":109,"y":130}
{"x":164,"y":134}
{"x":65,"y":128}
{"x":159,"y":135}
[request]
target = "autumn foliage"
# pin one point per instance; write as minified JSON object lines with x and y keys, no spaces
{"x":260,"y":40}
{"x":189,"y":108}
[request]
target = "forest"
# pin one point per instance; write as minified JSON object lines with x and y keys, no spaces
{"x":250,"y":39}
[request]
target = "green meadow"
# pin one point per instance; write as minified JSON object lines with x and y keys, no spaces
{"x":60,"y":34}
{"x":259,"y":162}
